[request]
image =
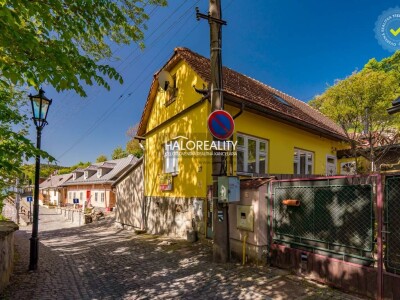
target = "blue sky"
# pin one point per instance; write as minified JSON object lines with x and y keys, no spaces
{"x":298,"y":47}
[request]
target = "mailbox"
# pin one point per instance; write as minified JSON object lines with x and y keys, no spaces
{"x":245,"y":217}
{"x":228,"y":189}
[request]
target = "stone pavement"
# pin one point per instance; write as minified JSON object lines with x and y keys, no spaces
{"x":98,"y":261}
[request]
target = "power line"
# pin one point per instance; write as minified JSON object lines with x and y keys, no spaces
{"x":84,"y":104}
{"x":117,"y":103}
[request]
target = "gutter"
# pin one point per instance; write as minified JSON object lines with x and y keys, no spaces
{"x":240,"y":111}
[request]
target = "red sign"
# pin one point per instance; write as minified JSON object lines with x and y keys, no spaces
{"x":221,"y":125}
{"x":166,"y":182}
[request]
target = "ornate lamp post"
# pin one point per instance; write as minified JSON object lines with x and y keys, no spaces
{"x":40,"y":108}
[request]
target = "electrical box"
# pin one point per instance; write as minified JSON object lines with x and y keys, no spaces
{"x":245,"y":217}
{"x":228,"y":189}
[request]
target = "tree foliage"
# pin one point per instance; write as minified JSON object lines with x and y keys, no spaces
{"x":64,"y":42}
{"x":358,"y":104}
{"x":133,"y":145}
{"x":46,"y":170}
{"x":119,"y":153}
{"x":80,"y":165}
{"x":15,"y":148}
{"x":101,"y":158}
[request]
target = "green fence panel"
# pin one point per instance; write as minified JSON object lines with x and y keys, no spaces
{"x":337,"y":218}
{"x":392,"y":220}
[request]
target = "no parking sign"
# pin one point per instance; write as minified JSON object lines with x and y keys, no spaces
{"x":221,"y":125}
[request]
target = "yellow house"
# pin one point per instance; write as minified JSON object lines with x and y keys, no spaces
{"x":274,"y":134}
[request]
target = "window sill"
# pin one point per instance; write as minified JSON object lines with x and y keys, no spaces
{"x":170,"y":101}
{"x":251,"y":174}
{"x":173,"y":174}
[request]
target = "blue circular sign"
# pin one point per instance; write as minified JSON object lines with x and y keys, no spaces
{"x":221,"y":125}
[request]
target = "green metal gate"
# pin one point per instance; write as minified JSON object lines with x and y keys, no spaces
{"x":337,"y":220}
{"x":392,"y":222}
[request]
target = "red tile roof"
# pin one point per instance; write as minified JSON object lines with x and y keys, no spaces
{"x":254,"y":93}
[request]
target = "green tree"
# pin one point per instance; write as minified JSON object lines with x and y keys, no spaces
{"x":45,"y":171}
{"x":14,"y":146}
{"x":101,"y":158}
{"x":119,"y":153}
{"x":133,"y":145}
{"x":63,"y":43}
{"x":358,"y":104}
{"x":80,"y":165}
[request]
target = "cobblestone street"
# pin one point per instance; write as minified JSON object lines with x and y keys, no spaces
{"x":99,"y":261}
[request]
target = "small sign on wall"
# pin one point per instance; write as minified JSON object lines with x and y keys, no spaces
{"x":245,"y":217}
{"x":228,"y":189}
{"x":166,"y":182}
{"x":220,"y":216}
{"x":76,"y":201}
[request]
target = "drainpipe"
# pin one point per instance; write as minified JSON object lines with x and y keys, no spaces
{"x":240,"y":112}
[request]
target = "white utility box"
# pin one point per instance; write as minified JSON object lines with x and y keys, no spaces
{"x":228,"y":189}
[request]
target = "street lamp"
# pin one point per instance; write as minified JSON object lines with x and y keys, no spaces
{"x":40,"y":108}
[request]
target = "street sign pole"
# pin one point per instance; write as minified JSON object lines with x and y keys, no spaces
{"x":17,"y":199}
{"x":29,"y":199}
{"x":220,"y":211}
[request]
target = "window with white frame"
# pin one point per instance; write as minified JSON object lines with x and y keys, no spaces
{"x":81,"y":196}
{"x":74,"y":195}
{"x":102,"y":197}
{"x":55,"y":193}
{"x":251,"y":154}
{"x":303,"y":162}
{"x":70,"y":195}
{"x":170,"y":158}
{"x":95,"y":197}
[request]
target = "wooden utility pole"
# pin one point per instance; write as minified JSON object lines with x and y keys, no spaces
{"x":220,"y":210}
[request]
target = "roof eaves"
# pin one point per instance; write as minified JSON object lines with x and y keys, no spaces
{"x":127,"y":171}
{"x":152,"y":92}
{"x":317,"y":121}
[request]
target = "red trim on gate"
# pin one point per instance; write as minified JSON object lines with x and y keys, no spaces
{"x":323,"y":256}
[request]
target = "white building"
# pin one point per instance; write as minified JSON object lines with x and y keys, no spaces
{"x":51,"y":190}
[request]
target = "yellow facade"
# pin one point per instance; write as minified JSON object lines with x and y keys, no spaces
{"x":194,"y":172}
{"x":192,"y":179}
{"x":282,"y":140}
